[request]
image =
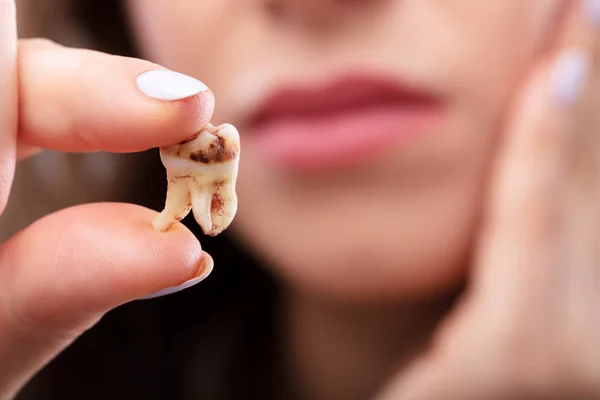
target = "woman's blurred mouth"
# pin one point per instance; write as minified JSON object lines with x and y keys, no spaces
{"x":345,"y":122}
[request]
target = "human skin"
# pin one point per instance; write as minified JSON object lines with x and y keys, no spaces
{"x":413,"y":236}
{"x":522,"y":305}
{"x":332,"y":241}
{"x":90,"y":258}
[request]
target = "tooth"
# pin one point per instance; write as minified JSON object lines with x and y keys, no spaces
{"x":223,"y":209}
{"x":177,"y":205}
{"x":202,"y":174}
{"x":201,"y":200}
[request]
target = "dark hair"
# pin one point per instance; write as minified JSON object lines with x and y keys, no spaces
{"x":214,"y":341}
{"x":106,"y":22}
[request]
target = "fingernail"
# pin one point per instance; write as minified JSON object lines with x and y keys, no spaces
{"x":592,"y":11}
{"x":169,"y":85}
{"x":569,"y":76}
{"x":206,"y":270}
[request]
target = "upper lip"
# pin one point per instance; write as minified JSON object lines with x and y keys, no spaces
{"x":353,"y":91}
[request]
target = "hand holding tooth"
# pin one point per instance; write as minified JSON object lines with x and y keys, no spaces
{"x":202,"y":174}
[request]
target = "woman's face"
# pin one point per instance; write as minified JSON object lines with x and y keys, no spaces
{"x":350,"y":185}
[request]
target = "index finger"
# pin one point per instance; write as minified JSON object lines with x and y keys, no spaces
{"x":81,"y":100}
{"x":8,"y":97}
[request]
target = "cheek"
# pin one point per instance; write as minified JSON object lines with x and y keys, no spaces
{"x":168,"y":31}
{"x":492,"y":45}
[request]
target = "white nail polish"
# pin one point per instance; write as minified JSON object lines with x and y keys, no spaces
{"x":570,"y":75}
{"x":169,"y":85}
{"x":174,"y":289}
{"x":208,"y":267}
{"x":592,"y":11}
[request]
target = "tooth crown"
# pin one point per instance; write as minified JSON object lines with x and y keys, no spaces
{"x":202,"y":174}
{"x":213,"y":145}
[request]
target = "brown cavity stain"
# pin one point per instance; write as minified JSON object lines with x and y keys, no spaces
{"x":217,"y":204}
{"x":217,"y":152}
{"x":200,"y":156}
{"x":176,"y":179}
{"x":218,"y":184}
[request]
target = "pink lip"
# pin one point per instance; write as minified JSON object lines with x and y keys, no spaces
{"x":346,"y":122}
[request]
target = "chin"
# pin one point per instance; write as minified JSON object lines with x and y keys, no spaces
{"x":363,"y":259}
{"x":401,"y":230}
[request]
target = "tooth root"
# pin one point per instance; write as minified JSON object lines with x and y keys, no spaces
{"x":223,"y":210}
{"x":176,"y":206}
{"x":201,"y":205}
{"x":229,"y":211}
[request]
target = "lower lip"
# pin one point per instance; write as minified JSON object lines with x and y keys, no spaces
{"x":343,"y":138}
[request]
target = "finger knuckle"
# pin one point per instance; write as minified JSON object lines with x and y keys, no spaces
{"x":38,"y":304}
{"x":25,"y":320}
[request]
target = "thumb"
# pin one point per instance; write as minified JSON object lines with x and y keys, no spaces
{"x":61,"y":274}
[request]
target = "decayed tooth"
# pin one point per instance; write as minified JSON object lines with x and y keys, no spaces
{"x":177,"y":205}
{"x":202,"y":174}
{"x":201,"y":200}
{"x":223,"y":207}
